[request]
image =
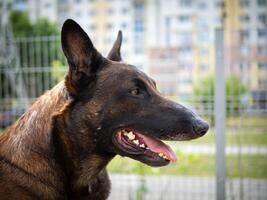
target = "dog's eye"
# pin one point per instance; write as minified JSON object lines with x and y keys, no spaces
{"x":135,"y":91}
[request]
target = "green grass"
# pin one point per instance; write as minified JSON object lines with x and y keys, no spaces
{"x":246,"y":121}
{"x":245,"y":138}
{"x":195,"y":165}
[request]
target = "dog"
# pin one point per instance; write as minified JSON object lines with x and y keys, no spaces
{"x":60,"y":147}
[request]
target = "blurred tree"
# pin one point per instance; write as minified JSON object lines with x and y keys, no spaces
{"x":59,"y":70}
{"x":234,"y":88}
{"x":21,"y":25}
{"x":43,"y":27}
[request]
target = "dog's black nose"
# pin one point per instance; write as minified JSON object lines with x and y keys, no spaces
{"x":200,"y":127}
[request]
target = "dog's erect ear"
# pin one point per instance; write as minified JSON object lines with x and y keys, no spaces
{"x":84,"y":60}
{"x":115,"y":52}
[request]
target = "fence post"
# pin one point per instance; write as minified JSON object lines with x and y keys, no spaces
{"x":220,"y":115}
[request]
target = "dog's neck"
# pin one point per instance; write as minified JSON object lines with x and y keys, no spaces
{"x":76,"y":152}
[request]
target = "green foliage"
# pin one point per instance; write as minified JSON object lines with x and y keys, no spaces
{"x":233,"y":86}
{"x":59,"y":70}
{"x":22,"y":27}
{"x":20,"y":23}
{"x":44,"y":28}
{"x":254,"y":166}
{"x":234,"y":89}
{"x":205,"y":88}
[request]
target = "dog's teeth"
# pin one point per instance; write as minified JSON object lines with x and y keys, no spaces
{"x":131,"y":136}
{"x":136,"y":142}
{"x":161,"y":154}
{"x":165,"y":157}
{"x":147,"y":148}
{"x":142,"y":145}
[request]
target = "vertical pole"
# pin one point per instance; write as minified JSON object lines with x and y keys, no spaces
{"x":220,"y":115}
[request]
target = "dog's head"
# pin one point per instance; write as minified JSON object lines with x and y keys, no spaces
{"x":121,"y":105}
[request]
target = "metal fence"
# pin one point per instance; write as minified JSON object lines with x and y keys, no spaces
{"x":36,"y":64}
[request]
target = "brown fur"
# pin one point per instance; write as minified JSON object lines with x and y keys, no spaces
{"x":30,"y":165}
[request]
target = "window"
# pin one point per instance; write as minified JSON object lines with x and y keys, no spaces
{"x":184,"y":18}
{"x":185,"y":80}
{"x":262,"y":50}
{"x":109,"y":26}
{"x":243,"y":66}
{"x":185,"y":38}
{"x":219,"y":4}
{"x":110,"y":11}
{"x":203,"y":21}
{"x":244,"y":3}
{"x":204,"y":67}
{"x":202,"y":5}
{"x":262,"y":65}
{"x":124,"y":10}
{"x":124,"y":25}
{"x":244,"y":50}
{"x":204,"y":52}
{"x":168,"y":27}
{"x":186,"y":50}
{"x":244,"y":18}
{"x":203,"y":36}
{"x":185,"y":3}
{"x":262,"y":33}
{"x":262,"y":83}
{"x":262,"y":2}
{"x":139,"y":15}
{"x":262,"y":18}
{"x":47,"y":5}
{"x":244,"y":34}
{"x":138,"y":26}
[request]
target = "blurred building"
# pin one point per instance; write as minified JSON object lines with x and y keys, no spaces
{"x":246,"y":44}
{"x":172,"y":76}
{"x":44,"y":8}
{"x":101,"y":19}
{"x":189,"y":26}
{"x":150,"y":26}
{"x":164,"y":67}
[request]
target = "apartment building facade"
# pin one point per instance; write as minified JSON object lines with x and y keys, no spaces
{"x":188,"y":26}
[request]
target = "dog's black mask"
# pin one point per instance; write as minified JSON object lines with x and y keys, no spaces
{"x":121,"y":104}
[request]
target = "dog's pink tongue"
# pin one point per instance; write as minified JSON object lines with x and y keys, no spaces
{"x":158,"y":146}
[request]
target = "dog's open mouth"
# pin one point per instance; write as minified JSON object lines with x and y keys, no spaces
{"x":145,"y":148}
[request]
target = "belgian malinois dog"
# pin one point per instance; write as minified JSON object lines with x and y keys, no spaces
{"x":60,"y":147}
